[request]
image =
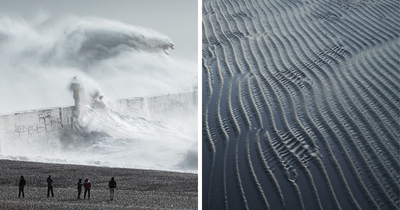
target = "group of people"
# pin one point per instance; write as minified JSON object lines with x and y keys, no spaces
{"x":87,"y":186}
{"x":112,"y":184}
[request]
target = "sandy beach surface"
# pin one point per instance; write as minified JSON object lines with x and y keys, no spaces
{"x":136,"y":189}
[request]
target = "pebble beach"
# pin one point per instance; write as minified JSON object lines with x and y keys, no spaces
{"x":136,"y":188}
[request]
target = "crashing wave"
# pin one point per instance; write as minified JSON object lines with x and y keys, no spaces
{"x":80,"y":39}
{"x":44,"y":53}
{"x":98,"y":131}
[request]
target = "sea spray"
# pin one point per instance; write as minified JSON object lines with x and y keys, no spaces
{"x":96,"y":131}
{"x":40,"y":56}
{"x":98,"y":125}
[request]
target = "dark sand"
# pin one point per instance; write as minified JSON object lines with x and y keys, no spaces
{"x":136,"y":189}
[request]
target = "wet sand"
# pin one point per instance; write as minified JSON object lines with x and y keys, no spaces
{"x":136,"y":189}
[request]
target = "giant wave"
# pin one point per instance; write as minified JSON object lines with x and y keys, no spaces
{"x":46,"y":60}
{"x":40,"y":56}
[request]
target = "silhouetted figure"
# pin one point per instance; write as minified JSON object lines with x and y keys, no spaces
{"x":112,"y":184}
{"x":50,"y":186}
{"x":87,"y":186}
{"x":22,"y":184}
{"x":79,"y":188}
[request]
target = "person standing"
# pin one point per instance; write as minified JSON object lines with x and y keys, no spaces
{"x":22,"y":184}
{"x":79,"y":188}
{"x":50,"y":186}
{"x":112,"y":184}
{"x":87,"y":186}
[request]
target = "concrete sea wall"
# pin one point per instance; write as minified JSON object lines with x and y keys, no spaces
{"x":43,"y":127}
{"x":161,"y":108}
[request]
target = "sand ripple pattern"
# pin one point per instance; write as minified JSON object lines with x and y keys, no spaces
{"x":301,"y":104}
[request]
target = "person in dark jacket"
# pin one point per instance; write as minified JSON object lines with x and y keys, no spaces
{"x":50,"y":186}
{"x":112,"y":185}
{"x":22,"y":184}
{"x":87,"y":186}
{"x":79,"y":188}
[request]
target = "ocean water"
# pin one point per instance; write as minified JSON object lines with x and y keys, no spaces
{"x":39,"y":58}
{"x":91,"y":62}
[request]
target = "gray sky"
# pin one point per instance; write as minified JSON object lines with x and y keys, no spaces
{"x":175,"y":18}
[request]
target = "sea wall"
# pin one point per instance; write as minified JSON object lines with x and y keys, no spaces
{"x":41,"y":127}
{"x":164,"y":108}
{"x":28,"y":130}
{"x":36,"y":123}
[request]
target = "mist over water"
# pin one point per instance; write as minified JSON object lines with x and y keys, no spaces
{"x":90,"y":62}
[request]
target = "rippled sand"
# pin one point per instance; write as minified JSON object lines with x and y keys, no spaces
{"x":301,"y":104}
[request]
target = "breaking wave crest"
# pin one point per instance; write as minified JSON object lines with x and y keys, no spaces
{"x":96,"y":131}
{"x":39,"y":57}
{"x":44,"y":53}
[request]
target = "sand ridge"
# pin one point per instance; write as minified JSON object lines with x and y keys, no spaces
{"x":300,"y":104}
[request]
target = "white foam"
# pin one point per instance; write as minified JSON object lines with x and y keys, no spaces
{"x":40,"y":57}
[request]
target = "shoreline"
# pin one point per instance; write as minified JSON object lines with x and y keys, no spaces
{"x":101,"y":166}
